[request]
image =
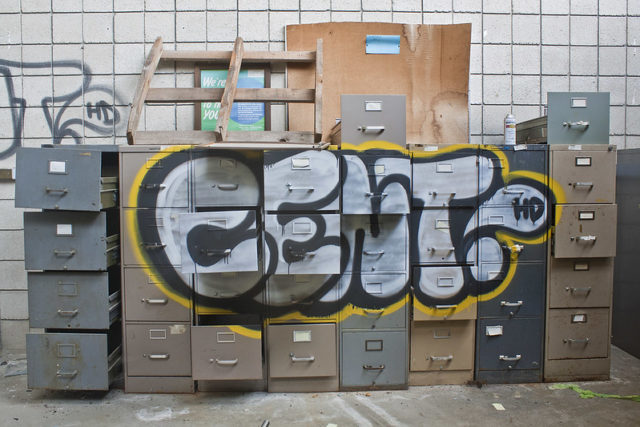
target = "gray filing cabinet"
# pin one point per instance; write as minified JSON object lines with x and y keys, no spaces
{"x":373,"y":118}
{"x":578,"y":117}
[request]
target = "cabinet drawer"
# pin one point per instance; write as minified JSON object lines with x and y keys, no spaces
{"x":301,"y":181}
{"x":373,"y":118}
{"x":585,"y":176}
{"x":215,"y":242}
{"x":585,"y":231}
{"x":580,"y":282}
{"x":74,"y":300}
{"x":218,"y":293}
{"x":66,"y":179}
{"x":373,"y":358}
{"x":151,"y":236}
{"x":145,"y":300}
{"x":385,"y":246}
{"x":576,"y":333}
{"x":70,"y":241}
{"x":295,"y":295}
{"x":226,"y":352}
{"x":578,"y":118}
{"x":306,"y":244}
{"x":439,"y":236}
{"x":444,"y":293}
{"x":497,"y":161}
{"x":226,"y":178}
{"x":522,"y":297}
{"x":505,"y":344}
{"x":73,"y":361}
{"x":375,"y":184}
{"x":442,"y":346}
{"x":307,"y":350}
{"x":159,"y":349}
{"x":155,"y":179}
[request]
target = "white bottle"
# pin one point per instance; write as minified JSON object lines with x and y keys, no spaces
{"x":510,"y":130}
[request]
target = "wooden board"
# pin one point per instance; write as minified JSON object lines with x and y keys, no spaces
{"x":432,"y":70}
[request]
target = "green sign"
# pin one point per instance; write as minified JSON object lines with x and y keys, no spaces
{"x":244,"y":115}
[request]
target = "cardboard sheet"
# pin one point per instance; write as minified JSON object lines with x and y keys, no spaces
{"x":432,"y":70}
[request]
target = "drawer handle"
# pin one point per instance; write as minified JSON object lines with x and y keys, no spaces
{"x":514,"y":248}
{"x":381,"y":195}
{"x":371,"y":129}
{"x":511,"y":304}
{"x":226,"y":187}
{"x":588,"y":239}
{"x":56,"y":190}
{"x":510,"y":359}
{"x":301,"y":253}
{"x":435,"y":193}
{"x":580,"y":123}
{"x":441,"y":358}
{"x":68,"y":313}
{"x":154,"y":245}
{"x":586,"y":185}
{"x":70,"y":253}
{"x":444,"y":306}
{"x":157,"y":356}
{"x":158,"y":301}
{"x":153,"y":186}
{"x":373,"y":368}
{"x":372,"y":312}
{"x":377,"y":253}
{"x":231,"y":362}
{"x":294,"y":188}
{"x":214,"y":252}
{"x":576,"y":341}
{"x":434,"y":250}
{"x":516,"y":192}
{"x":63,"y":374}
{"x":309,"y":359}
{"x":578,"y":290}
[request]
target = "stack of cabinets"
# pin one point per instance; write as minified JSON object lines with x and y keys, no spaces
{"x":375,"y":226}
{"x":443,"y":259}
{"x":580,"y":276}
{"x":71,"y":253}
{"x":512,"y":255}
{"x":302,"y":265}
{"x":157,"y":321}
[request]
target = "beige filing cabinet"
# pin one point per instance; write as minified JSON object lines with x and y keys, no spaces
{"x":580,"y":273}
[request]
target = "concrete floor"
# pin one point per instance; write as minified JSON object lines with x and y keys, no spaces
{"x":524,"y":405}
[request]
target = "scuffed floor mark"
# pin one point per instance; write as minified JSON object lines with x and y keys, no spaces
{"x":154,"y":414}
{"x":355,"y":415}
{"x":387,"y":417}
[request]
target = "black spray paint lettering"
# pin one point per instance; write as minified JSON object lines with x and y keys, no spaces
{"x":102,"y":116}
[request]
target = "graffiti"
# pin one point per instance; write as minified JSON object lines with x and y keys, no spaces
{"x":300,"y":258}
{"x":102,"y":117}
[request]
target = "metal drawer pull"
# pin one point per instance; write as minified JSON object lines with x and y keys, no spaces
{"x":301,"y":253}
{"x":302,"y":359}
{"x":373,"y":368}
{"x":435,"y":193}
{"x":441,"y":358}
{"x":578,"y":123}
{"x":70,"y":253}
{"x":153,"y":245}
{"x":588,"y":185}
{"x":213,"y":252}
{"x":432,"y":249}
{"x":307,"y":189}
{"x":371,"y":312}
{"x":68,"y":313}
{"x":153,"y":186}
{"x":518,"y":192}
{"x":226,"y":187}
{"x":510,"y":359}
{"x":231,"y":362}
{"x":63,"y":374}
{"x":56,"y":190}
{"x":371,"y":129}
{"x":577,"y":290}
{"x":511,"y":304}
{"x":446,"y":306}
{"x":159,"y":301}
{"x":575,"y":341}
{"x":378,"y":253}
{"x":376,"y":195}
{"x":157,"y":356}
{"x":514,"y":248}
{"x":589,"y":238}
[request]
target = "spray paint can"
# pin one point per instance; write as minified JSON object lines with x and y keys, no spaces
{"x":510,"y":130}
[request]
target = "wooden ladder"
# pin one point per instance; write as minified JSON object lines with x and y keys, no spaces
{"x":221,"y":137}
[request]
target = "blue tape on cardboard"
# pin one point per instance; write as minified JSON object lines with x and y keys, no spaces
{"x":383,"y":45}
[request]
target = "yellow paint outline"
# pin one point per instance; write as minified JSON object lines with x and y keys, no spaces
{"x":245,"y":332}
{"x":374,"y":145}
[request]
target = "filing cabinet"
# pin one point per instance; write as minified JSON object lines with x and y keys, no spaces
{"x":373,"y":118}
{"x":158,"y":349}
{"x":443,"y":346}
{"x":147,"y":297}
{"x":218,"y":293}
{"x":580,"y":282}
{"x":291,"y":297}
{"x":301,"y":181}
{"x":441,"y":236}
{"x":444,"y":293}
{"x":578,"y":333}
{"x":578,"y":118}
{"x":82,"y":178}
{"x":500,"y":174}
{"x":587,"y":231}
{"x":375,"y":183}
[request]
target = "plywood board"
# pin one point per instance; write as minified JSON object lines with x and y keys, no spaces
{"x":432,"y":70}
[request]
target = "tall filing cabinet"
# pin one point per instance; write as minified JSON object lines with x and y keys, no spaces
{"x":444,"y":264}
{"x":512,"y":253}
{"x":376,"y":188}
{"x":72,"y":256}
{"x":155,"y":188}
{"x":580,"y":274}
